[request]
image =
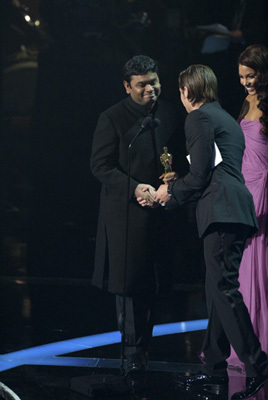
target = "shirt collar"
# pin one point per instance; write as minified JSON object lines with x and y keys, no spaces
{"x":141,"y":108}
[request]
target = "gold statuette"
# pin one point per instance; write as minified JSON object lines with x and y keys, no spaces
{"x":166,"y":161}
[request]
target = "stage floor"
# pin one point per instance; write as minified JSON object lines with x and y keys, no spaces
{"x":54,"y":331}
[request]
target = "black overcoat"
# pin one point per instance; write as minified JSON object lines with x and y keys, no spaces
{"x":149,"y":230}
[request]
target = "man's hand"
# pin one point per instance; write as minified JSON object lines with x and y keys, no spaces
{"x":169,"y":177}
{"x":162,"y":195}
{"x":145,"y":194}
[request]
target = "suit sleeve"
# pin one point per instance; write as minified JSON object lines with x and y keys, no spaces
{"x":199,"y":135}
{"x":104,"y":159}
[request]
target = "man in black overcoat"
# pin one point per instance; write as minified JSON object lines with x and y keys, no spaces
{"x":225,"y":219}
{"x":149,"y":250}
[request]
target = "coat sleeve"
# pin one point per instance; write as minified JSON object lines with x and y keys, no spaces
{"x":199,"y":135}
{"x":104,"y":159}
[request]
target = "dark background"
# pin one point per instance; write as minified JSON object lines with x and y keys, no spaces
{"x":57,"y":75}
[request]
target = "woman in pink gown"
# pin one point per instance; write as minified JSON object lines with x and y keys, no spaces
{"x":253,"y":273}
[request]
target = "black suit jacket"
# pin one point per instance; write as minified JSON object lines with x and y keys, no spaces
{"x":224,"y":197}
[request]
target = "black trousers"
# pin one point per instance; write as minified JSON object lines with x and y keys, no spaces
{"x":138,"y":322}
{"x":229,"y":320}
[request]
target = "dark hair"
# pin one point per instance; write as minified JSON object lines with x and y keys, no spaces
{"x":139,"y":65}
{"x":256,"y":57}
{"x":201,"y":83}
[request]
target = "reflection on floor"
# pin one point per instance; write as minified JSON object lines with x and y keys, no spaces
{"x":47,"y":348}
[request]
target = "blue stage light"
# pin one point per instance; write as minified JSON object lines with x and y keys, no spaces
{"x":47,"y":353}
{"x":180,"y":327}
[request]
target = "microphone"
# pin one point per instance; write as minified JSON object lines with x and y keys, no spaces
{"x":147,"y":123}
{"x":155,"y":123}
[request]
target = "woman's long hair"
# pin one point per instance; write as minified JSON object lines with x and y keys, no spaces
{"x":256,"y":57}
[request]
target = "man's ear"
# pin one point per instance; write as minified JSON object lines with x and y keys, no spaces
{"x":127,"y":87}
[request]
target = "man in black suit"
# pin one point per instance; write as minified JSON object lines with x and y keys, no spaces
{"x":149,"y":232}
{"x":225,"y":219}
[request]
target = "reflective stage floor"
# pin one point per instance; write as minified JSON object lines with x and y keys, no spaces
{"x":58,"y":336}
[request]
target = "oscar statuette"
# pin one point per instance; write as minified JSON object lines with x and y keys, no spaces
{"x":166,"y":161}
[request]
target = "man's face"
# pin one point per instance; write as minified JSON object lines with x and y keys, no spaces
{"x":144,"y":89}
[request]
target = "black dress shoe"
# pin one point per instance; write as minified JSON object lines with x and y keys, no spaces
{"x":203,"y":379}
{"x":216,"y":385}
{"x":205,"y":387}
{"x":253,"y":385}
{"x":201,"y":393}
{"x":136,"y":363}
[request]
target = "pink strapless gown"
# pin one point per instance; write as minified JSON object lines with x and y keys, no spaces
{"x":253,"y":273}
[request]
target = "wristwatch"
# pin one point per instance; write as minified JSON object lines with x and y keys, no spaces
{"x":168,"y":191}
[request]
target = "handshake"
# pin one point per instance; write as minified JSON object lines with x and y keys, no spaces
{"x":146,"y":194}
